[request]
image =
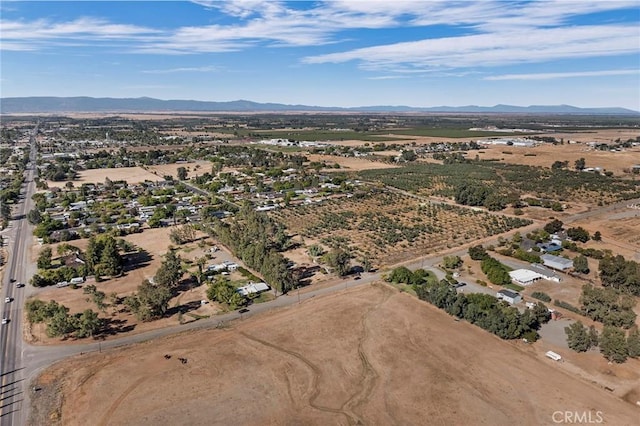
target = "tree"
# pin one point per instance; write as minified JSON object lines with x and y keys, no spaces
{"x":580,"y":164}
{"x":170,"y":271}
{"x":633,"y":343}
{"x":222,"y":291}
{"x":577,"y":337}
{"x":340,"y":260}
{"x":451,"y":262}
{"x":578,"y":234}
{"x":597,"y":236}
{"x":409,"y":155}
{"x":87,"y":323}
{"x":44,"y":258}
{"x":594,"y":339}
{"x":478,"y":252}
{"x":61,"y":323}
{"x":613,"y":344}
{"x":34,"y":217}
{"x":553,"y":226}
{"x":581,"y":265}
{"x":366,"y":264}
{"x":110,"y":260}
{"x":182,"y":173}
{"x":152,"y":300}
{"x":401,"y":274}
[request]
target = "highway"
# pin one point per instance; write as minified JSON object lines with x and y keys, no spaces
{"x":14,"y":387}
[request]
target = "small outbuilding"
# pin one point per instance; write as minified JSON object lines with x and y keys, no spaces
{"x":509,"y":296}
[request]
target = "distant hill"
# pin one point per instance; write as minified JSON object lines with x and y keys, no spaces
{"x":49,"y":104}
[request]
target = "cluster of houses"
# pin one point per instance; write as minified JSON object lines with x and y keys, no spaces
{"x":546,"y":271}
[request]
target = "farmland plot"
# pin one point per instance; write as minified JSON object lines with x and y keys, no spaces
{"x":389,"y":227}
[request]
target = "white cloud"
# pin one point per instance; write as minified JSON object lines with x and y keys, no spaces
{"x":38,"y":34}
{"x":495,"y":32}
{"x":493,"y":49}
{"x":555,"y":75}
{"x":183,"y":69}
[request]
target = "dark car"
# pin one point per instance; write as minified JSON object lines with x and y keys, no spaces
{"x":243,"y":310}
{"x":20,"y":285}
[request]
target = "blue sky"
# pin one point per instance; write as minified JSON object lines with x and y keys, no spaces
{"x":329,"y":53}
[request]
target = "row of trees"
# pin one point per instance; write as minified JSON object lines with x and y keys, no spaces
{"x":608,"y":306}
{"x":486,"y":311}
{"x":403,"y":275}
{"x":257,"y":240}
{"x":621,"y":274}
{"x":615,"y":345}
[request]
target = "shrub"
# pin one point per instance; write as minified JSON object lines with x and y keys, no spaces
{"x":541,"y":296}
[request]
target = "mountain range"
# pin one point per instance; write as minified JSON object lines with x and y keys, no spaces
{"x":50,"y":104}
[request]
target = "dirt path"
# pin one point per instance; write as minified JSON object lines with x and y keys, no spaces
{"x":369,"y":374}
{"x":314,"y":388}
{"x":114,"y":406}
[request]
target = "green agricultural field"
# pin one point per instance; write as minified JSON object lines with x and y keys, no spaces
{"x":447,"y":133}
{"x":320,"y":135}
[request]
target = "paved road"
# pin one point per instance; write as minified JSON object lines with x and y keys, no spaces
{"x":37,"y":358}
{"x":14,"y":394}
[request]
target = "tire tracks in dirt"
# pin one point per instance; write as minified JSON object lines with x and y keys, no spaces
{"x":370,"y":376}
{"x":114,"y":406}
{"x":314,"y":389}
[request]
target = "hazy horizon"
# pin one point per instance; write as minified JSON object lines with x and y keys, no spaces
{"x":328,"y":54}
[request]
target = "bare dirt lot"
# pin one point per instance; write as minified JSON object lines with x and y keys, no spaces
{"x":371,"y":355}
{"x":545,"y":155}
{"x":193,"y":168}
{"x":132,"y":175}
{"x":350,"y":163}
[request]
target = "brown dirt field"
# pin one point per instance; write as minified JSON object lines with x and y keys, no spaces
{"x":546,"y":154}
{"x":350,"y":163}
{"x":132,"y":175}
{"x":196,"y":167}
{"x":598,"y":135}
{"x":369,"y":355}
{"x":620,"y":231}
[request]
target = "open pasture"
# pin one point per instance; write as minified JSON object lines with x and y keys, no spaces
{"x":371,"y":355}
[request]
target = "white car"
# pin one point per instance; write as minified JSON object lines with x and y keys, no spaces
{"x":5,"y":320}
{"x":7,"y":299}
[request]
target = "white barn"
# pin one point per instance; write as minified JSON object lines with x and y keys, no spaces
{"x":525,"y":276}
{"x":546,"y":273}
